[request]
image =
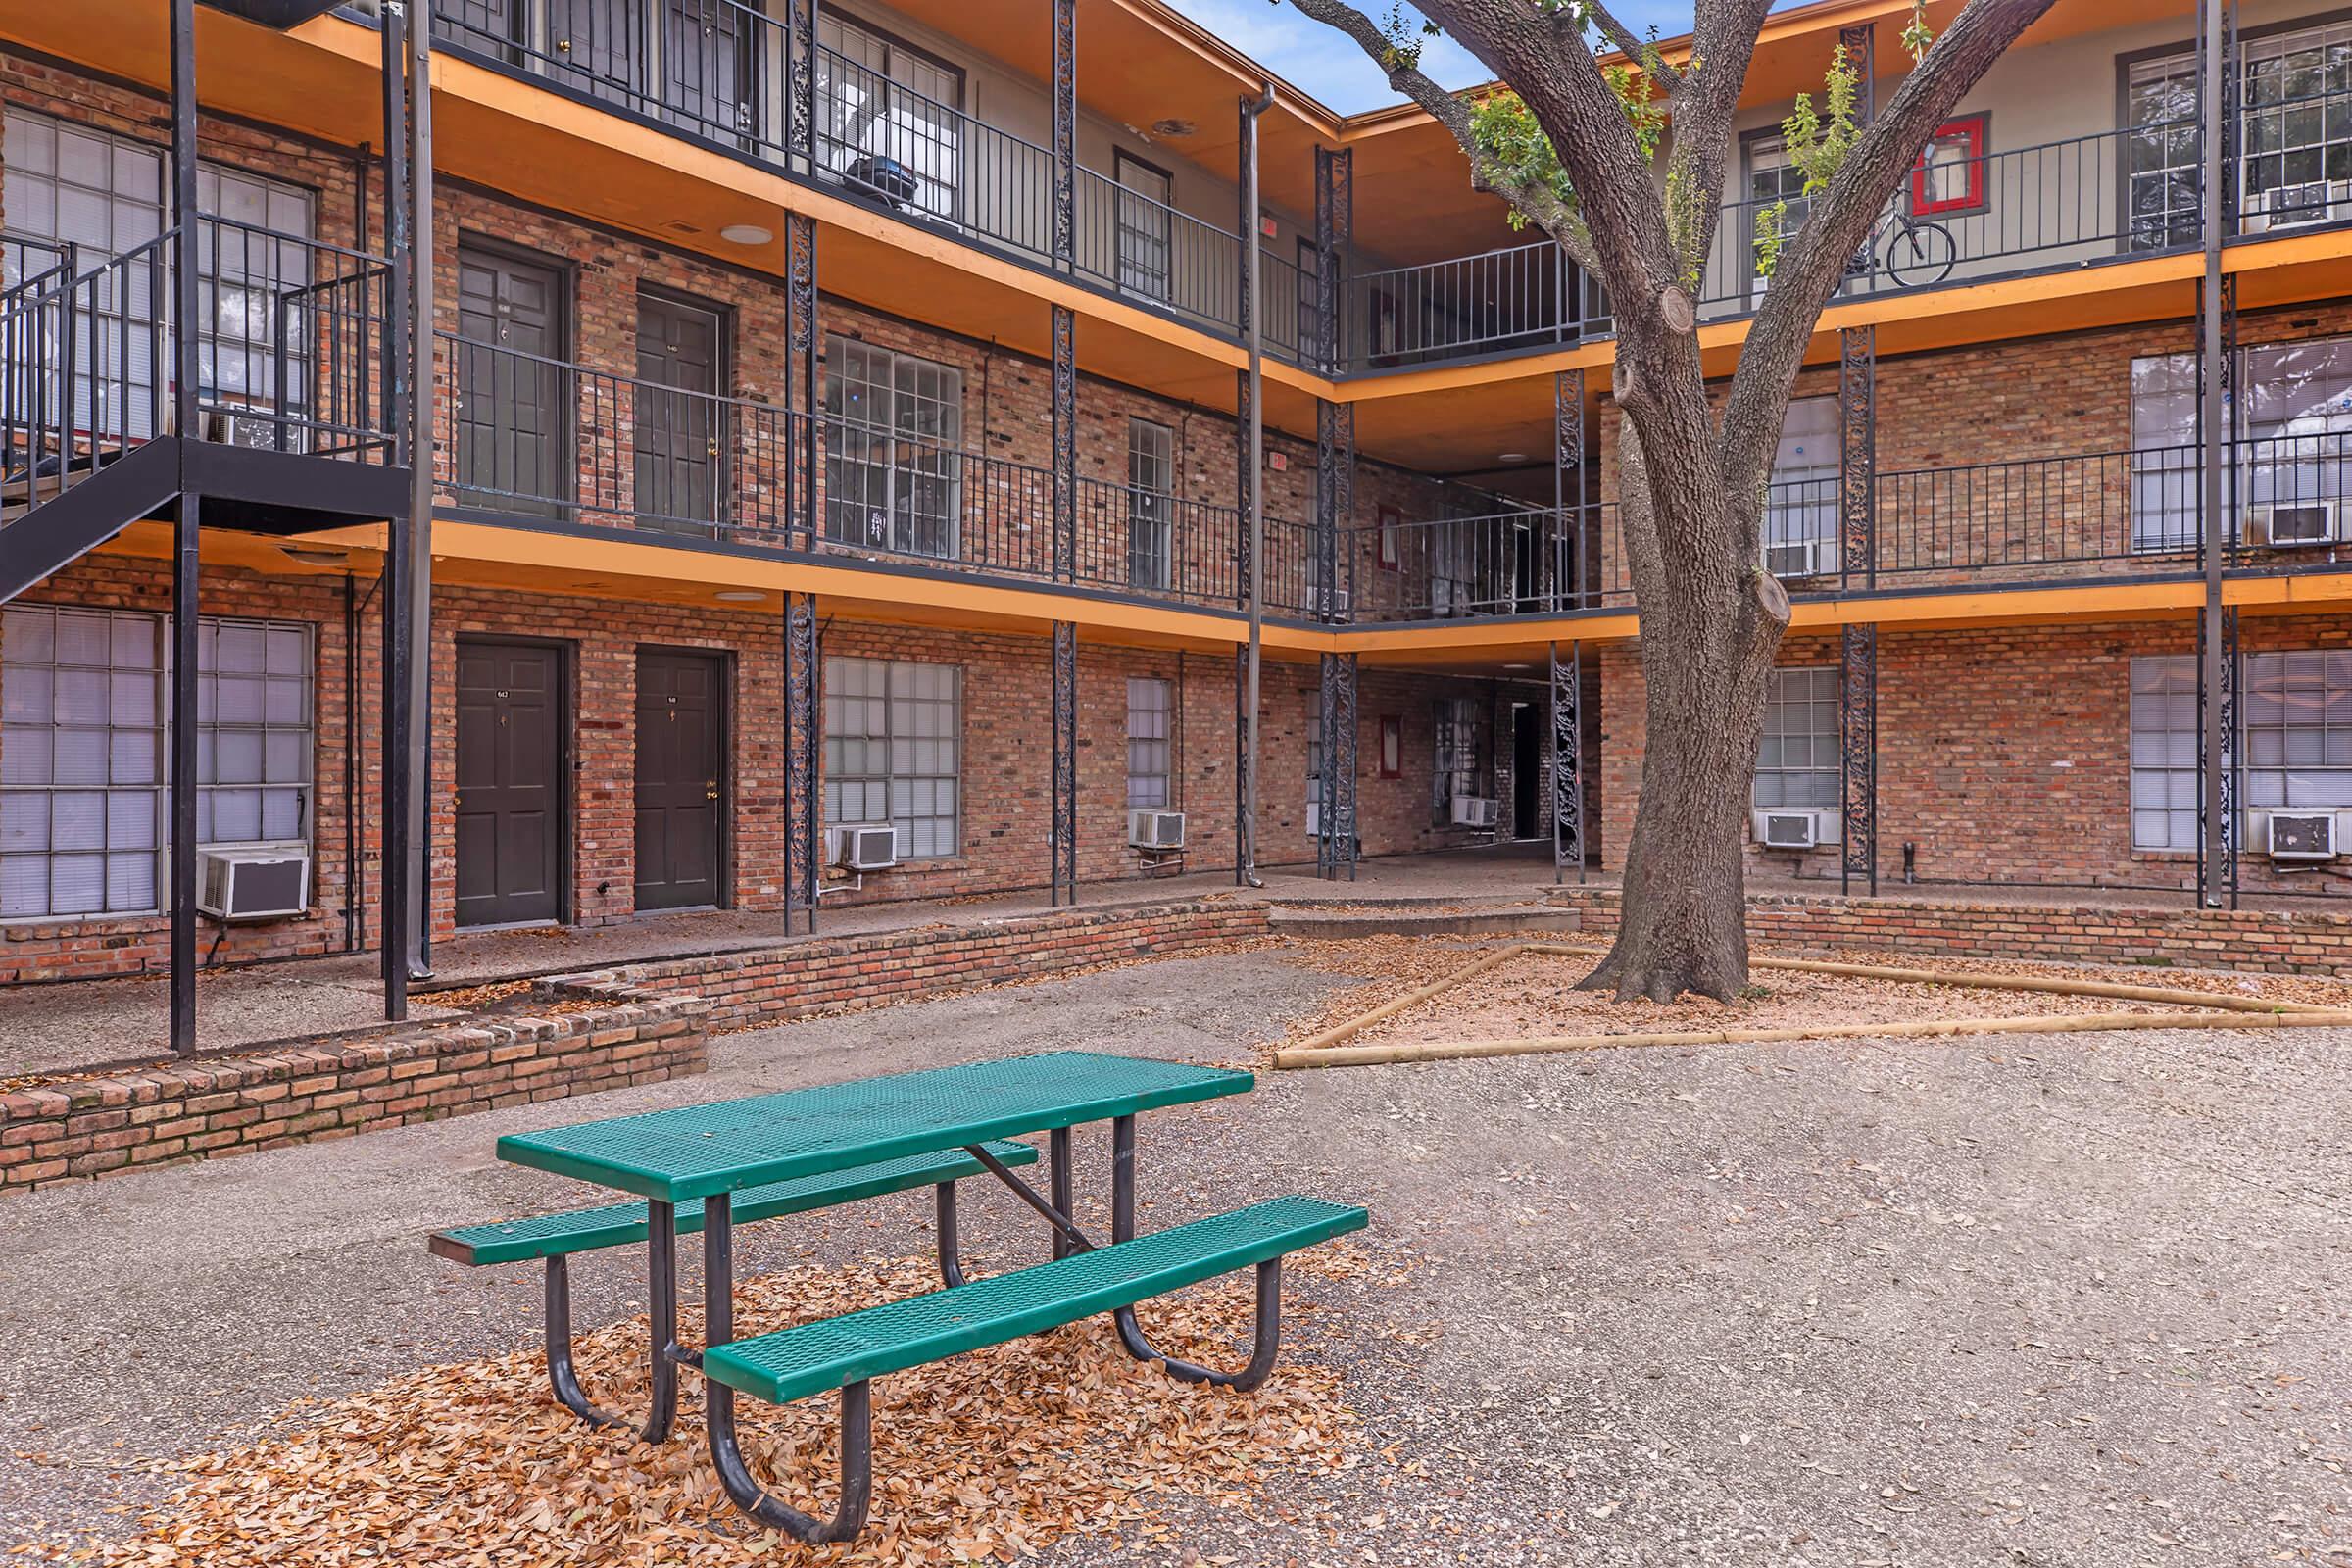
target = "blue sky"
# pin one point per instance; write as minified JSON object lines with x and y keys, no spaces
{"x":1339,"y":73}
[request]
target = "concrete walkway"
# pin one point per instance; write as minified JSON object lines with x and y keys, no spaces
{"x":49,"y":1028}
{"x":2076,"y":1299}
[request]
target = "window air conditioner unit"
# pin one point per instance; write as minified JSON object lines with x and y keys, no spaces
{"x":237,"y":885}
{"x":1473,"y":811}
{"x":2297,"y":205}
{"x":1787,"y":830}
{"x":1155,"y":830}
{"x":1802,"y":558}
{"x":862,"y":846}
{"x":2300,"y":836}
{"x":2288,"y":523}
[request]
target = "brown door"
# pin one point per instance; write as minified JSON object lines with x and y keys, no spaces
{"x":513,"y":407}
{"x":601,"y":46}
{"x":680,"y":765}
{"x":510,"y":805}
{"x":679,"y":424}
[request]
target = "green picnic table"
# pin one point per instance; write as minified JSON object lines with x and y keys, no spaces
{"x":809,"y":1149}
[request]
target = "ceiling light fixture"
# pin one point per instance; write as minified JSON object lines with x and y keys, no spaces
{"x":1174,"y":127}
{"x":317,"y":556}
{"x":1510,"y":456}
{"x":747,"y":234}
{"x":740,"y":596}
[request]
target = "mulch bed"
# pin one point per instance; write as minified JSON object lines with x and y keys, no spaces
{"x":1535,"y":994}
{"x":984,"y":1457}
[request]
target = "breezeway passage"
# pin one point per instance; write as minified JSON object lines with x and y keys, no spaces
{"x":1706,"y":1308}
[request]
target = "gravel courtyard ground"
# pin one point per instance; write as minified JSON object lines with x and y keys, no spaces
{"x":2066,"y":1300}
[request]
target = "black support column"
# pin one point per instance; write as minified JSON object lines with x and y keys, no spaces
{"x":1245,"y":671}
{"x":1066,"y":133}
{"x":2218,"y":658}
{"x":1335,"y":224}
{"x":1335,"y":784}
{"x":1567,"y":764}
{"x":392,"y":922}
{"x":803,"y":814}
{"x":804,"y":341}
{"x":1858,"y":663}
{"x":185,"y":530}
{"x":1563,"y":559}
{"x":1064,"y":830}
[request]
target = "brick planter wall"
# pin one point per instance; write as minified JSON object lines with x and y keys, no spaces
{"x":810,"y":977}
{"x":181,"y":1111}
{"x":2205,"y":939}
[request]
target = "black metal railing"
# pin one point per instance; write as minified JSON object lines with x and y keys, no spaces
{"x":290,"y":348}
{"x":1143,"y":249}
{"x":524,"y":436}
{"x":1524,"y":297}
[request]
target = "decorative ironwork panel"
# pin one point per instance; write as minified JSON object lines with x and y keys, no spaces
{"x":1243,"y":474}
{"x":801,"y":335}
{"x":1335,"y":507}
{"x":2217,"y":842}
{"x":801,"y":43}
{"x":1567,"y":763}
{"x":1248,"y":226}
{"x":1066,"y":445}
{"x":1335,"y":221}
{"x":1065,"y":131}
{"x":1064,"y":830}
{"x":1858,"y":454}
{"x":1860,"y":47}
{"x":1335,"y":777}
{"x":1560,"y":587}
{"x":1858,"y":754}
{"x":804,"y":817}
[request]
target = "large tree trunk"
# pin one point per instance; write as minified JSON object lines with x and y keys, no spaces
{"x":1709,"y":633}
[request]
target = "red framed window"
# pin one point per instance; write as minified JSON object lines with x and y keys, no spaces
{"x":1390,"y":522}
{"x":1391,"y":746}
{"x":1949,"y":176}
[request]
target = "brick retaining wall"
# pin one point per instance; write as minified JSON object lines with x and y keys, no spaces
{"x":810,"y":977}
{"x":204,"y":1109}
{"x":2206,"y":938}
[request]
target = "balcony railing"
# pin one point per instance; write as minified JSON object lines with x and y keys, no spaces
{"x":525,"y":437}
{"x":726,"y":72}
{"x":289,"y":347}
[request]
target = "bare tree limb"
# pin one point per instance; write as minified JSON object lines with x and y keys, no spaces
{"x":1634,"y":48}
{"x":1840,"y":220}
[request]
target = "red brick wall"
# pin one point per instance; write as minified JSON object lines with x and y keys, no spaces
{"x":808,"y":978}
{"x":206,"y":1109}
{"x":2263,"y":941}
{"x":2004,"y":753}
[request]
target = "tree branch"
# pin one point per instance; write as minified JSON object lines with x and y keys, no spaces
{"x":1634,"y":47}
{"x":1840,"y":220}
{"x":1538,"y":203}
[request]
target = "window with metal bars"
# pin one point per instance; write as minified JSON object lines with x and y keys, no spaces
{"x":894,"y":460}
{"x":1151,"y":503}
{"x":1150,"y":706}
{"x":892,"y":744}
{"x":1798,"y":761}
{"x":83,"y":746}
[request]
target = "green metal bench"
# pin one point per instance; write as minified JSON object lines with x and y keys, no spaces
{"x":557,"y":1237}
{"x":847,"y":1353}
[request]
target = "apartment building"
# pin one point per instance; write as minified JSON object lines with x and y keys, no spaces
{"x":839,"y":419}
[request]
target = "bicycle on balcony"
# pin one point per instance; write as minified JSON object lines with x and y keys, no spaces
{"x":1912,"y":252}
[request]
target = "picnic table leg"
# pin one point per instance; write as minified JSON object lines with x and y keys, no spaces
{"x":951,"y":1251}
{"x":561,"y":1374}
{"x":1131,"y":1332}
{"x":719,"y":1409}
{"x":661,"y":1293}
{"x":1057,"y":1161}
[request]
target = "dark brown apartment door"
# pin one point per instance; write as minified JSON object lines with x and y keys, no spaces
{"x":599,"y":46}
{"x":680,"y":763}
{"x":509,"y":804}
{"x":514,"y":416}
{"x":706,"y":67}
{"x":679,"y":426}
